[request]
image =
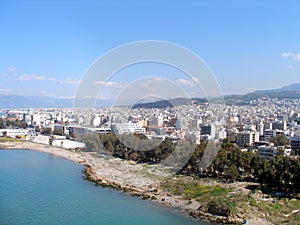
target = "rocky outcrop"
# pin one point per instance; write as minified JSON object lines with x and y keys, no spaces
{"x":205,"y":216}
{"x":213,"y":214}
{"x":90,"y":173}
{"x":218,"y":210}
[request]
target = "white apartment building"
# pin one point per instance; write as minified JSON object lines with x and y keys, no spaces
{"x":36,"y":120}
{"x":14,"y":133}
{"x":267,"y":152}
{"x":96,"y":121}
{"x":268,"y":134}
{"x":125,"y":128}
{"x":260,"y":129}
{"x":247,"y":138}
{"x":157,"y":121}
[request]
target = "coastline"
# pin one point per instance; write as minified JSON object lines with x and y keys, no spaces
{"x":126,"y":176}
{"x":59,"y":152}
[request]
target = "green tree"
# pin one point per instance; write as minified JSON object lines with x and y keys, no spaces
{"x":51,"y":139}
{"x":47,"y":130}
{"x":58,"y":131}
{"x":109,"y":146}
{"x":279,"y":140}
{"x":92,"y":142}
{"x":4,"y":134}
{"x":232,"y":172}
{"x":2,"y":123}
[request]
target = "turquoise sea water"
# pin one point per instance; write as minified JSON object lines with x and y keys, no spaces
{"x":38,"y":188}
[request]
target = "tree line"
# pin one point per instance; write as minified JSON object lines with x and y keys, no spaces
{"x":5,"y":123}
{"x":280,"y":174}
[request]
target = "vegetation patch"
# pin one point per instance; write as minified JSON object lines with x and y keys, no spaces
{"x":220,"y":200}
{"x":8,"y":139}
{"x":281,"y":211}
{"x":152,"y":176}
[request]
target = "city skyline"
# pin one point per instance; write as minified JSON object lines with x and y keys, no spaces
{"x":47,"y":47}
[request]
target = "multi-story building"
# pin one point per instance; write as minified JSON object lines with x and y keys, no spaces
{"x":247,"y":138}
{"x":123,"y":128}
{"x":268,"y":134}
{"x":231,"y":134}
{"x":194,"y":124}
{"x":295,"y":144}
{"x":208,"y":129}
{"x":269,"y":151}
{"x":280,"y":125}
{"x":157,"y":121}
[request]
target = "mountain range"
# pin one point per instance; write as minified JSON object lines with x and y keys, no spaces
{"x":290,"y":88}
{"x":17,"y":101}
{"x":287,"y":92}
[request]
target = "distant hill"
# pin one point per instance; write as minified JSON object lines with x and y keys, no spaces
{"x":290,"y":88}
{"x":244,"y":99}
{"x":287,"y":92}
{"x":16,"y":101}
{"x":169,"y":103}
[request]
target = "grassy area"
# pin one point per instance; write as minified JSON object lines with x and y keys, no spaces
{"x":205,"y":194}
{"x":109,"y":157}
{"x":152,"y":175}
{"x":8,"y":139}
{"x":192,"y":189}
{"x":276,"y":212}
{"x":242,"y":204}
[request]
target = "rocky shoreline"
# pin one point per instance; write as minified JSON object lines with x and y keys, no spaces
{"x":114,"y":174}
{"x":153,"y":193}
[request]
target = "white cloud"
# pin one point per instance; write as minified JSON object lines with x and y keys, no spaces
{"x":36,"y":77}
{"x":11,"y":69}
{"x":287,"y":54}
{"x":184,"y":82}
{"x":292,"y":67}
{"x":30,"y":77}
{"x":157,"y":79}
{"x":4,"y":91}
{"x":105,"y":96}
{"x":70,"y":80}
{"x":51,"y":79}
{"x":196,"y":79}
{"x":66,"y":97}
{"x":111,"y":84}
{"x":188,"y":83}
{"x":293,"y":56}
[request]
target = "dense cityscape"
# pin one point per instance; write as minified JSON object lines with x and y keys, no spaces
{"x":249,"y":126}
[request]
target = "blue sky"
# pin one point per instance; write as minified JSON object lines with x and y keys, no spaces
{"x":46,"y":46}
